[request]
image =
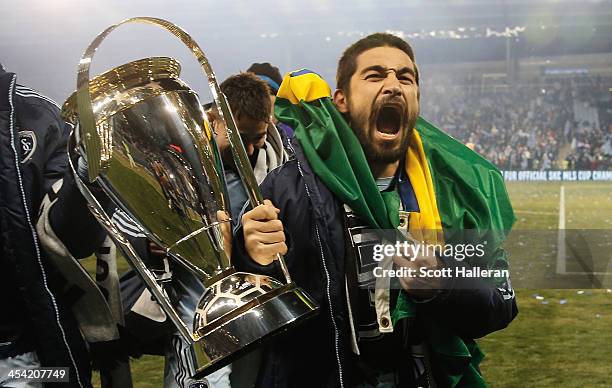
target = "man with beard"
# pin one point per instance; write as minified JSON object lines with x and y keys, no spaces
{"x":389,"y":170}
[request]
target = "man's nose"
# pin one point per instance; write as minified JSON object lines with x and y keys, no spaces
{"x":392,"y":85}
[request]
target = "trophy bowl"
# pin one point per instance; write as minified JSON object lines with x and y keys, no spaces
{"x":231,"y":320}
{"x":150,"y":148}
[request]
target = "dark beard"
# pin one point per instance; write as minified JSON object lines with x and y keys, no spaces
{"x":373,"y":153}
{"x":376,"y":155}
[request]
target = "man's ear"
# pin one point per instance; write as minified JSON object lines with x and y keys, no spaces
{"x":340,"y":101}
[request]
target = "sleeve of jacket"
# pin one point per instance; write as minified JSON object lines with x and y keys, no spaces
{"x":57,"y":158}
{"x":63,"y":208}
{"x":71,"y":220}
{"x":473,"y":307}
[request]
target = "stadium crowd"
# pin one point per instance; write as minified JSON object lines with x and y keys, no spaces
{"x":553,"y":123}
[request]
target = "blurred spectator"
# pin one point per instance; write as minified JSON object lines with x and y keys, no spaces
{"x":549,"y":124}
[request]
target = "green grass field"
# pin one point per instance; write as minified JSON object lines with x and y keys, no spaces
{"x":561,"y":337}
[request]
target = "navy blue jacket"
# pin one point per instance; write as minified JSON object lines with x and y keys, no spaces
{"x":35,"y":313}
{"x":317,"y":353}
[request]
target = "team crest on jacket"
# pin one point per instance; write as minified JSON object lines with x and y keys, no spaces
{"x":27,"y":141}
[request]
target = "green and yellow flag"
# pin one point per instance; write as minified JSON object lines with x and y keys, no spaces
{"x":455,"y":187}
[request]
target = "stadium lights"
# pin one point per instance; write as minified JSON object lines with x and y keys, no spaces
{"x":455,"y":33}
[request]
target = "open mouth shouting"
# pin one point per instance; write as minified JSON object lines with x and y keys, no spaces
{"x":388,"y":121}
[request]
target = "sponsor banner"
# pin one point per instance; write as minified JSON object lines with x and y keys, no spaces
{"x":556,"y":175}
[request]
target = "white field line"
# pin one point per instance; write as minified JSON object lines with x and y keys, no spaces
{"x":561,"y":253}
{"x":561,"y":268}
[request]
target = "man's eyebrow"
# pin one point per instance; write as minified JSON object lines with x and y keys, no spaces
{"x":405,"y":70}
{"x":377,"y":68}
{"x":382,"y":69}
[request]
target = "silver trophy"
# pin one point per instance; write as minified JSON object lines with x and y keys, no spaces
{"x":150,"y":148}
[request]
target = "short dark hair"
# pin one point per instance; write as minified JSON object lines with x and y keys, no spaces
{"x":267,"y":72}
{"x":347,"y":65}
{"x":248,"y":96}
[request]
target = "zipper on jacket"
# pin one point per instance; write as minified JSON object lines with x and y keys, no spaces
{"x":327,"y":288}
{"x":12,"y":121}
{"x":426,"y":361}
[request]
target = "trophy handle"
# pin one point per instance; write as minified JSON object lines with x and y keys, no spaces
{"x":96,"y":150}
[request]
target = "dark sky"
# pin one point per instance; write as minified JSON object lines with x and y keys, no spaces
{"x":42,"y":40}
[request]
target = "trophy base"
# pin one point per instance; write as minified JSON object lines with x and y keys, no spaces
{"x":271,"y":314}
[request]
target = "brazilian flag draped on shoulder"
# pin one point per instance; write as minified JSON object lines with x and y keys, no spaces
{"x":456,"y":190}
